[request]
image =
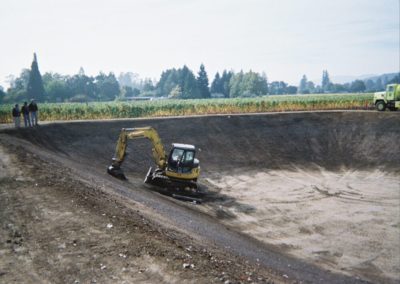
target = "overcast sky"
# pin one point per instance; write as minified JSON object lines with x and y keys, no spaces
{"x":283,"y":38}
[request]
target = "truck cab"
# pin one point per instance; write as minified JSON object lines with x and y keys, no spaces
{"x":389,"y":99}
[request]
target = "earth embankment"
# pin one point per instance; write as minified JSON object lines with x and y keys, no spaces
{"x":361,"y":140}
{"x":322,"y":186}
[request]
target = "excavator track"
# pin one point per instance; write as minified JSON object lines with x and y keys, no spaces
{"x":158,"y":178}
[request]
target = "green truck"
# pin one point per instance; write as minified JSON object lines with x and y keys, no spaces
{"x":389,"y":99}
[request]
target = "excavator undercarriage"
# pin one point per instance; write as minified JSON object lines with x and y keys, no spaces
{"x":157,"y":177}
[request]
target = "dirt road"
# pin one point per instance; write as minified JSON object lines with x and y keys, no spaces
{"x":252,"y":167}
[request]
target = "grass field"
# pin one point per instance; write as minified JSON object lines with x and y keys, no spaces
{"x":107,"y":110}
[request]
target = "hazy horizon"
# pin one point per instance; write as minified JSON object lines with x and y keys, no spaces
{"x":285,"y":39}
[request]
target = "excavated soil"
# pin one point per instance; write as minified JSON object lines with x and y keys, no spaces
{"x":312,"y":197}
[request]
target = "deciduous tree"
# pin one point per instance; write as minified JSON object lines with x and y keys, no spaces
{"x":278,"y":88}
{"x":357,"y":86}
{"x":303,"y":85}
{"x":56,"y":87}
{"x":250,"y":84}
{"x":107,"y":86}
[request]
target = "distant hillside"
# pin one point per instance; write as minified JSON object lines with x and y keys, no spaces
{"x":348,"y":79}
{"x":384,"y":77}
{"x":342,"y":79}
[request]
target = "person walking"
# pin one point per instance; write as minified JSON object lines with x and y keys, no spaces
{"x":33,"y":109}
{"x":25,"y":114}
{"x":16,"y":115}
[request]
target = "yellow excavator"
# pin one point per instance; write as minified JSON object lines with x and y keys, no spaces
{"x":179,"y":170}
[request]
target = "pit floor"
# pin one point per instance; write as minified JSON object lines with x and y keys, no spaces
{"x":345,"y":221}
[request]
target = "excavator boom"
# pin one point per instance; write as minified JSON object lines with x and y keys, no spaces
{"x":135,"y":133}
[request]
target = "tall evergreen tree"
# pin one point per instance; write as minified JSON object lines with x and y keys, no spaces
{"x":326,"y":82}
{"x":216,"y":85}
{"x":35,"y":89}
{"x":202,"y":83}
{"x":190,"y":89}
{"x":167,"y":82}
{"x":225,"y":82}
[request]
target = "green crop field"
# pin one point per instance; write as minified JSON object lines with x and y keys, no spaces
{"x":106,"y":110}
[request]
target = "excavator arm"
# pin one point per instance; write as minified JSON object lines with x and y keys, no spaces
{"x":135,"y":133}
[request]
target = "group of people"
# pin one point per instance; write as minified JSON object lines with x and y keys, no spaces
{"x":29,"y":113}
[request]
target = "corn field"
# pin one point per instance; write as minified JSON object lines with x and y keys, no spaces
{"x":279,"y":103}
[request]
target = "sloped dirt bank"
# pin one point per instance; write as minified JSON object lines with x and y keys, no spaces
{"x":323,"y":187}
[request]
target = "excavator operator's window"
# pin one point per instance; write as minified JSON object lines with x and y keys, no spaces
{"x":181,"y":160}
{"x":189,"y":156}
{"x":177,"y":154}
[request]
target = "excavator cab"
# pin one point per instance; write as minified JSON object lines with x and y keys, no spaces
{"x":181,"y":171}
{"x":182,"y":158}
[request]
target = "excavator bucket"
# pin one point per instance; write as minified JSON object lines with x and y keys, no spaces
{"x":116,"y":172}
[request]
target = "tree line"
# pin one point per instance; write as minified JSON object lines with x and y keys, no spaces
{"x":178,"y":83}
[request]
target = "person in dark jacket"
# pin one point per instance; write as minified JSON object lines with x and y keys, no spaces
{"x":25,"y":113}
{"x":33,"y":109}
{"x":16,"y":115}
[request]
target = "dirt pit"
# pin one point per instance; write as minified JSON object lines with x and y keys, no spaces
{"x":323,"y":187}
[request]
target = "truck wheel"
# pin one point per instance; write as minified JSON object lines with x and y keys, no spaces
{"x":380,"y":106}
